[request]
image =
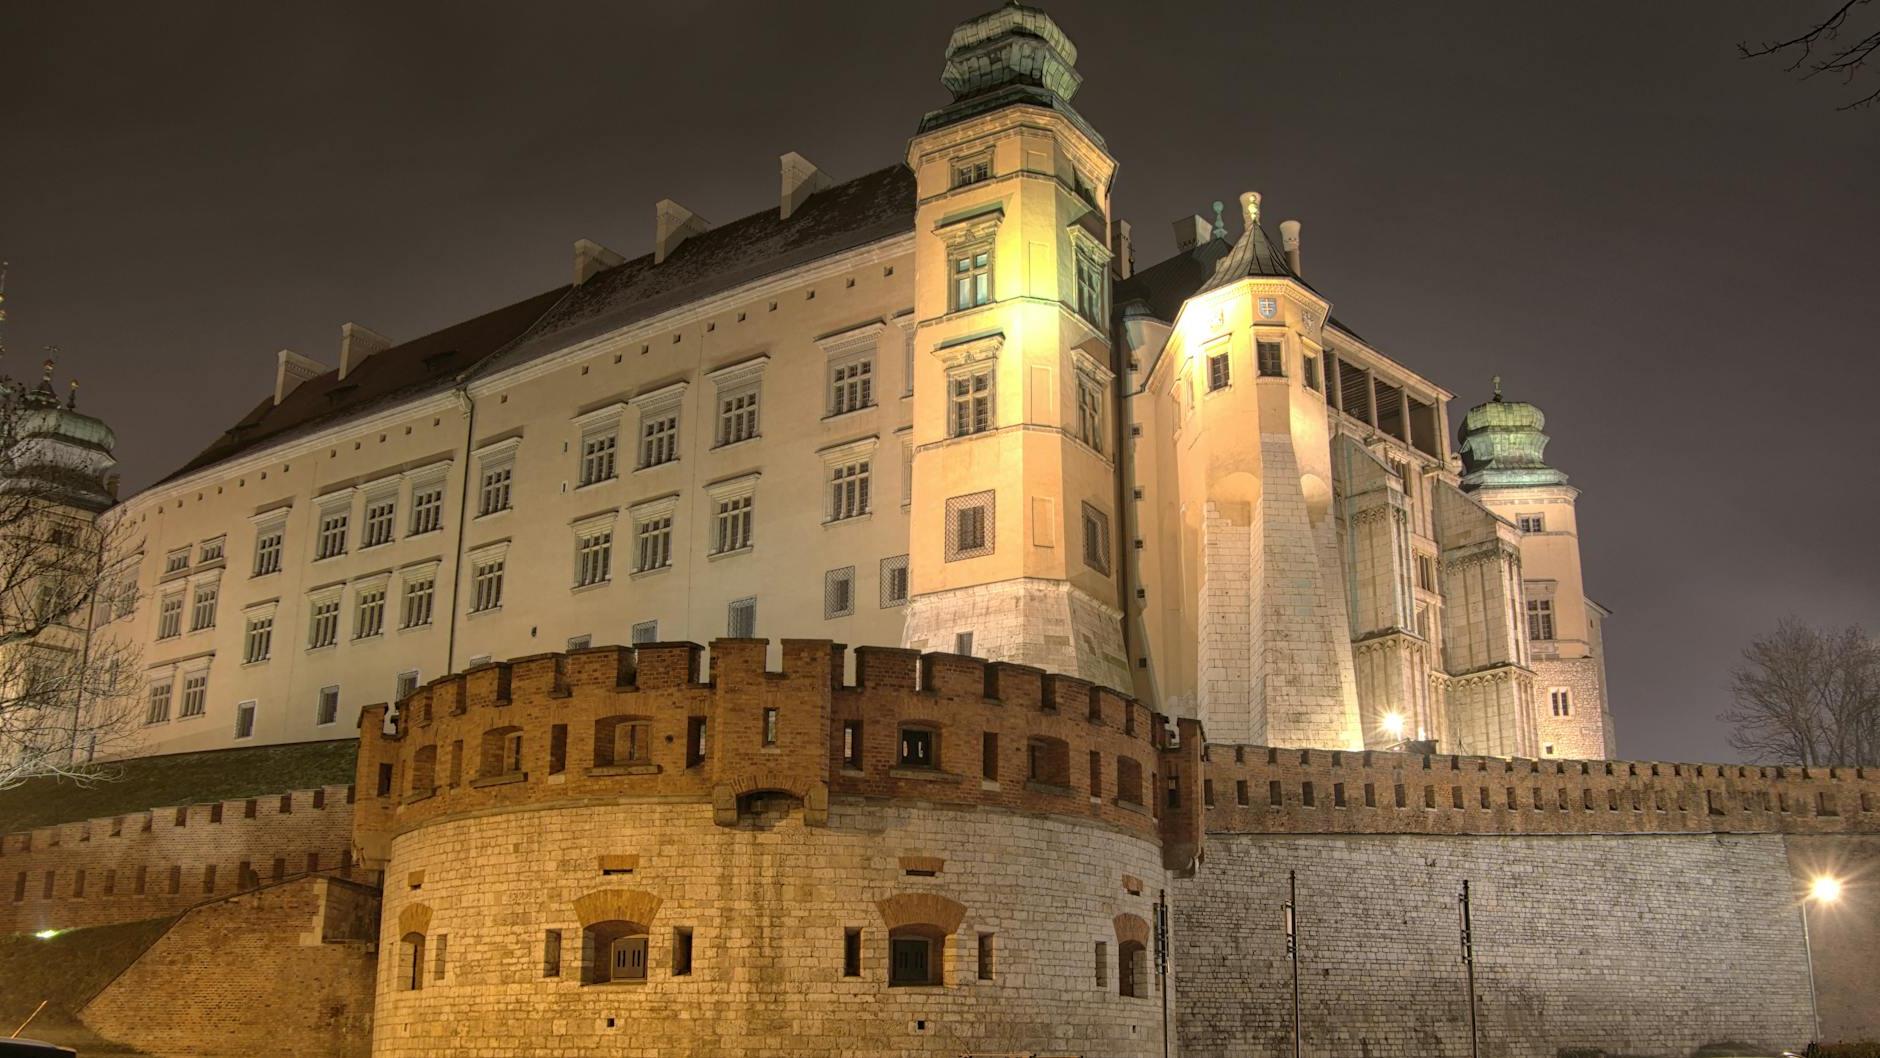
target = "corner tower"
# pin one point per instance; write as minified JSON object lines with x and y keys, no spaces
{"x":1014,"y":553}
{"x":1503,"y":452}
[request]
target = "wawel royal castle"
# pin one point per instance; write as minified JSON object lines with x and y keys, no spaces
{"x":936,"y":406}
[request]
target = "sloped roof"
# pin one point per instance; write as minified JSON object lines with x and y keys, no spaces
{"x":855,"y":213}
{"x":422,"y":365}
{"x":1164,"y":286}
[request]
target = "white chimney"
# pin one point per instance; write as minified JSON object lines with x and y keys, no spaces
{"x":590,"y":258}
{"x":801,"y":179}
{"x":291,"y":369}
{"x":355,"y":344}
{"x":1122,"y":251}
{"x":1192,"y":231}
{"x":672,"y":225}
{"x":1289,"y":238}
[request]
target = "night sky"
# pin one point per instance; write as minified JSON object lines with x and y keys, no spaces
{"x":1672,"y":251}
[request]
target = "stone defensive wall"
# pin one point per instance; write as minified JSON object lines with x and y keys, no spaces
{"x":623,"y":852}
{"x":162,"y":861}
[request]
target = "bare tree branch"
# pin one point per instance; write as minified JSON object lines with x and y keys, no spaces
{"x":1846,"y":59}
{"x":1808,"y":697}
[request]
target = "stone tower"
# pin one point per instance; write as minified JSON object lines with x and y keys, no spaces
{"x":1503,"y":452}
{"x":1013,"y":552}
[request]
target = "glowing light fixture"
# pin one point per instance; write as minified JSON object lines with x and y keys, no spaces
{"x":1825,"y":890}
{"x":1393,"y":724}
{"x":48,"y":934}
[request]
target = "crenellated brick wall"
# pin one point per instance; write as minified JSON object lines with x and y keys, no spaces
{"x":165,"y":860}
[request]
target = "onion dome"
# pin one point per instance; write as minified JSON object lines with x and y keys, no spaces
{"x":1503,"y":446}
{"x":1014,"y":55}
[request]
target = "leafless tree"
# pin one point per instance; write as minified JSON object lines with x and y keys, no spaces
{"x":1835,"y":46}
{"x":66,"y":685}
{"x":1808,"y":696}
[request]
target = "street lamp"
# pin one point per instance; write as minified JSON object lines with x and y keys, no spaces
{"x":1825,"y":889}
{"x":1393,"y":725}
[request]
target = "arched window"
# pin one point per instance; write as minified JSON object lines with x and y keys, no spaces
{"x":613,"y":952}
{"x":411,"y":962}
{"x":621,"y":741}
{"x":916,"y":956}
{"x":424,"y":770}
{"x":502,"y":752}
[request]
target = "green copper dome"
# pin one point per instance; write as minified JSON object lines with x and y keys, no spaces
{"x":1503,"y":446}
{"x":1014,"y":55}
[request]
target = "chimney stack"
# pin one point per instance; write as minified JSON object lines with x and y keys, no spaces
{"x":672,"y":225}
{"x":355,"y":344}
{"x":1289,"y":238}
{"x":1122,"y":252}
{"x":291,"y":369}
{"x":801,"y":179}
{"x":1192,"y":231}
{"x":590,"y":258}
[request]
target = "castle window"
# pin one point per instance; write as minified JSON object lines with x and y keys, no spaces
{"x":644,"y":632}
{"x":486,"y":583}
{"x":963,"y":644}
{"x":989,"y":756}
{"x":731,"y":521}
{"x":852,"y":744}
{"x":158,"y":710}
{"x":1131,"y":968}
{"x":848,"y":490}
{"x":381,"y":519}
{"x":681,"y":951}
{"x":327,"y":709}
{"x":323,"y":620}
{"x":1103,"y":964}
{"x":245,"y":720}
{"x":1426,"y":574}
{"x":1562,"y":701}
{"x":620,"y":740}
{"x":972,"y":277}
{"x":839,"y":592}
{"x":170,"y":616}
{"x":770,"y":726}
{"x":502,"y":753}
{"x":331,"y":540}
{"x":1090,"y":411}
{"x":258,"y":639}
{"x":369,"y":612}
{"x":1092,"y":278}
{"x":551,"y":953}
{"x":659,"y":437}
{"x":427,"y":506}
{"x":652,"y":533}
{"x":741,"y":618}
{"x":195,"y":694}
{"x":1540,"y":615}
{"x":1096,"y":540}
{"x":917,"y":748}
{"x":176,"y":561}
{"x":851,"y":951}
{"x":894,"y":581}
{"x":594,"y":555}
{"x":915,"y":957}
{"x":411,"y":962}
{"x":852,"y":382}
{"x":1309,"y":365}
{"x":424,"y":770}
{"x":696,"y":741}
{"x":557,"y":750}
{"x":202,"y":610}
{"x":737,"y":412}
{"x":420,"y":594}
{"x":1531,"y":523}
{"x":985,"y":957}
{"x":1128,"y":780}
{"x":1272,"y":359}
{"x":615,"y":953}
{"x":1240,"y":792}
{"x":1218,"y":372}
{"x":1048,"y":761}
{"x":970,"y":525}
{"x":969,"y":399}
{"x":969,"y":171}
{"x":598,"y":455}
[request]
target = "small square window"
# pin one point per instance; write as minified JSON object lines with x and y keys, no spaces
{"x":970,"y":525}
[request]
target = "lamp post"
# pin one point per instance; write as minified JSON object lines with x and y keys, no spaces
{"x":1825,"y":889}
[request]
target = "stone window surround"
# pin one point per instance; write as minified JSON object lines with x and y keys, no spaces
{"x":597,"y":423}
{"x":483,"y":555}
{"x":376,"y":492}
{"x":976,"y":231}
{"x":267,"y":610}
{"x":732,"y":488}
{"x":317,"y":597}
{"x":1088,"y":369}
{"x":1086,"y":247}
{"x":380,"y":582}
{"x":844,"y":347}
{"x":495,"y":455}
{"x":417,"y":573}
{"x":862,"y":449}
{"x":639,"y":514}
{"x":654,"y":403}
{"x":969,"y":356}
{"x":326,"y":506}
{"x":586,"y":528}
{"x":735,"y":379}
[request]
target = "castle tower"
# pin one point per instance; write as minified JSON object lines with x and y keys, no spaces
{"x":1013,"y":553}
{"x":1505,"y":468}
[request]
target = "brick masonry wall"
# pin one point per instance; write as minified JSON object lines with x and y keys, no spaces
{"x":87,"y":873}
{"x":1636,"y":944}
{"x":767,"y":902}
{"x":284,"y":971}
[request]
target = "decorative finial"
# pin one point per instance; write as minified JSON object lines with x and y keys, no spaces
{"x":1498,"y":388}
{"x":1250,"y":206}
{"x":71,"y":400}
{"x":1220,"y":225}
{"x":52,"y":351}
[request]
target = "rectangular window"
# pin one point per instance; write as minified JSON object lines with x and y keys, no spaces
{"x":1272,"y":359}
{"x":963,"y":644}
{"x":323,"y":622}
{"x":697,"y":741}
{"x":211,"y":550}
{"x":1540,"y":615}
{"x":839,"y":592}
{"x":852,"y":744}
{"x":969,"y":526}
{"x":1103,"y":964}
{"x":1310,"y":368}
{"x":195,"y":695}
{"x":493,"y":488}
{"x":1090,"y":411}
{"x":645,"y":632}
{"x":1096,"y":540}
{"x":737,"y":414}
{"x":894,"y":581}
{"x":969,"y":396}
{"x":427,"y":507}
{"x":415,"y":609}
{"x":741,"y":619}
{"x":159,"y":708}
{"x":1218,"y":373}
{"x":406,"y":684}
{"x":851,"y":385}
{"x":170,"y":616}
{"x":916,"y":748}
{"x":972,"y":170}
{"x":1562,"y":701}
{"x":1092,"y":279}
{"x":594,"y":558}
{"x":369,"y":613}
{"x":972,"y":278}
{"x":332,"y":537}
{"x":176,"y":561}
{"x":770,"y":726}
{"x":681,"y":951}
{"x":381,"y":520}
{"x":848,"y":490}
{"x":989,"y":756}
{"x":327,"y":711}
{"x":659,"y":437}
{"x":731,"y":525}
{"x":258,"y":641}
{"x":268,"y":549}
{"x":652,"y":544}
{"x":851,"y":952}
{"x":1426,"y":572}
{"x":985,"y":956}
{"x":245,"y":720}
{"x":486,"y":585}
{"x":1531,"y":523}
{"x":202,"y":609}
{"x":551,"y":953}
{"x":598,"y":455}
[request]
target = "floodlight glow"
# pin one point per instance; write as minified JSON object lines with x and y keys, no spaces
{"x":48,"y":934}
{"x":1825,"y":890}
{"x":1393,"y":724}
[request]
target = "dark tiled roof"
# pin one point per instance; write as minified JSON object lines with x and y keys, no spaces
{"x":179,"y":779}
{"x":1164,"y":286}
{"x":418,"y":366}
{"x":866,"y":209}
